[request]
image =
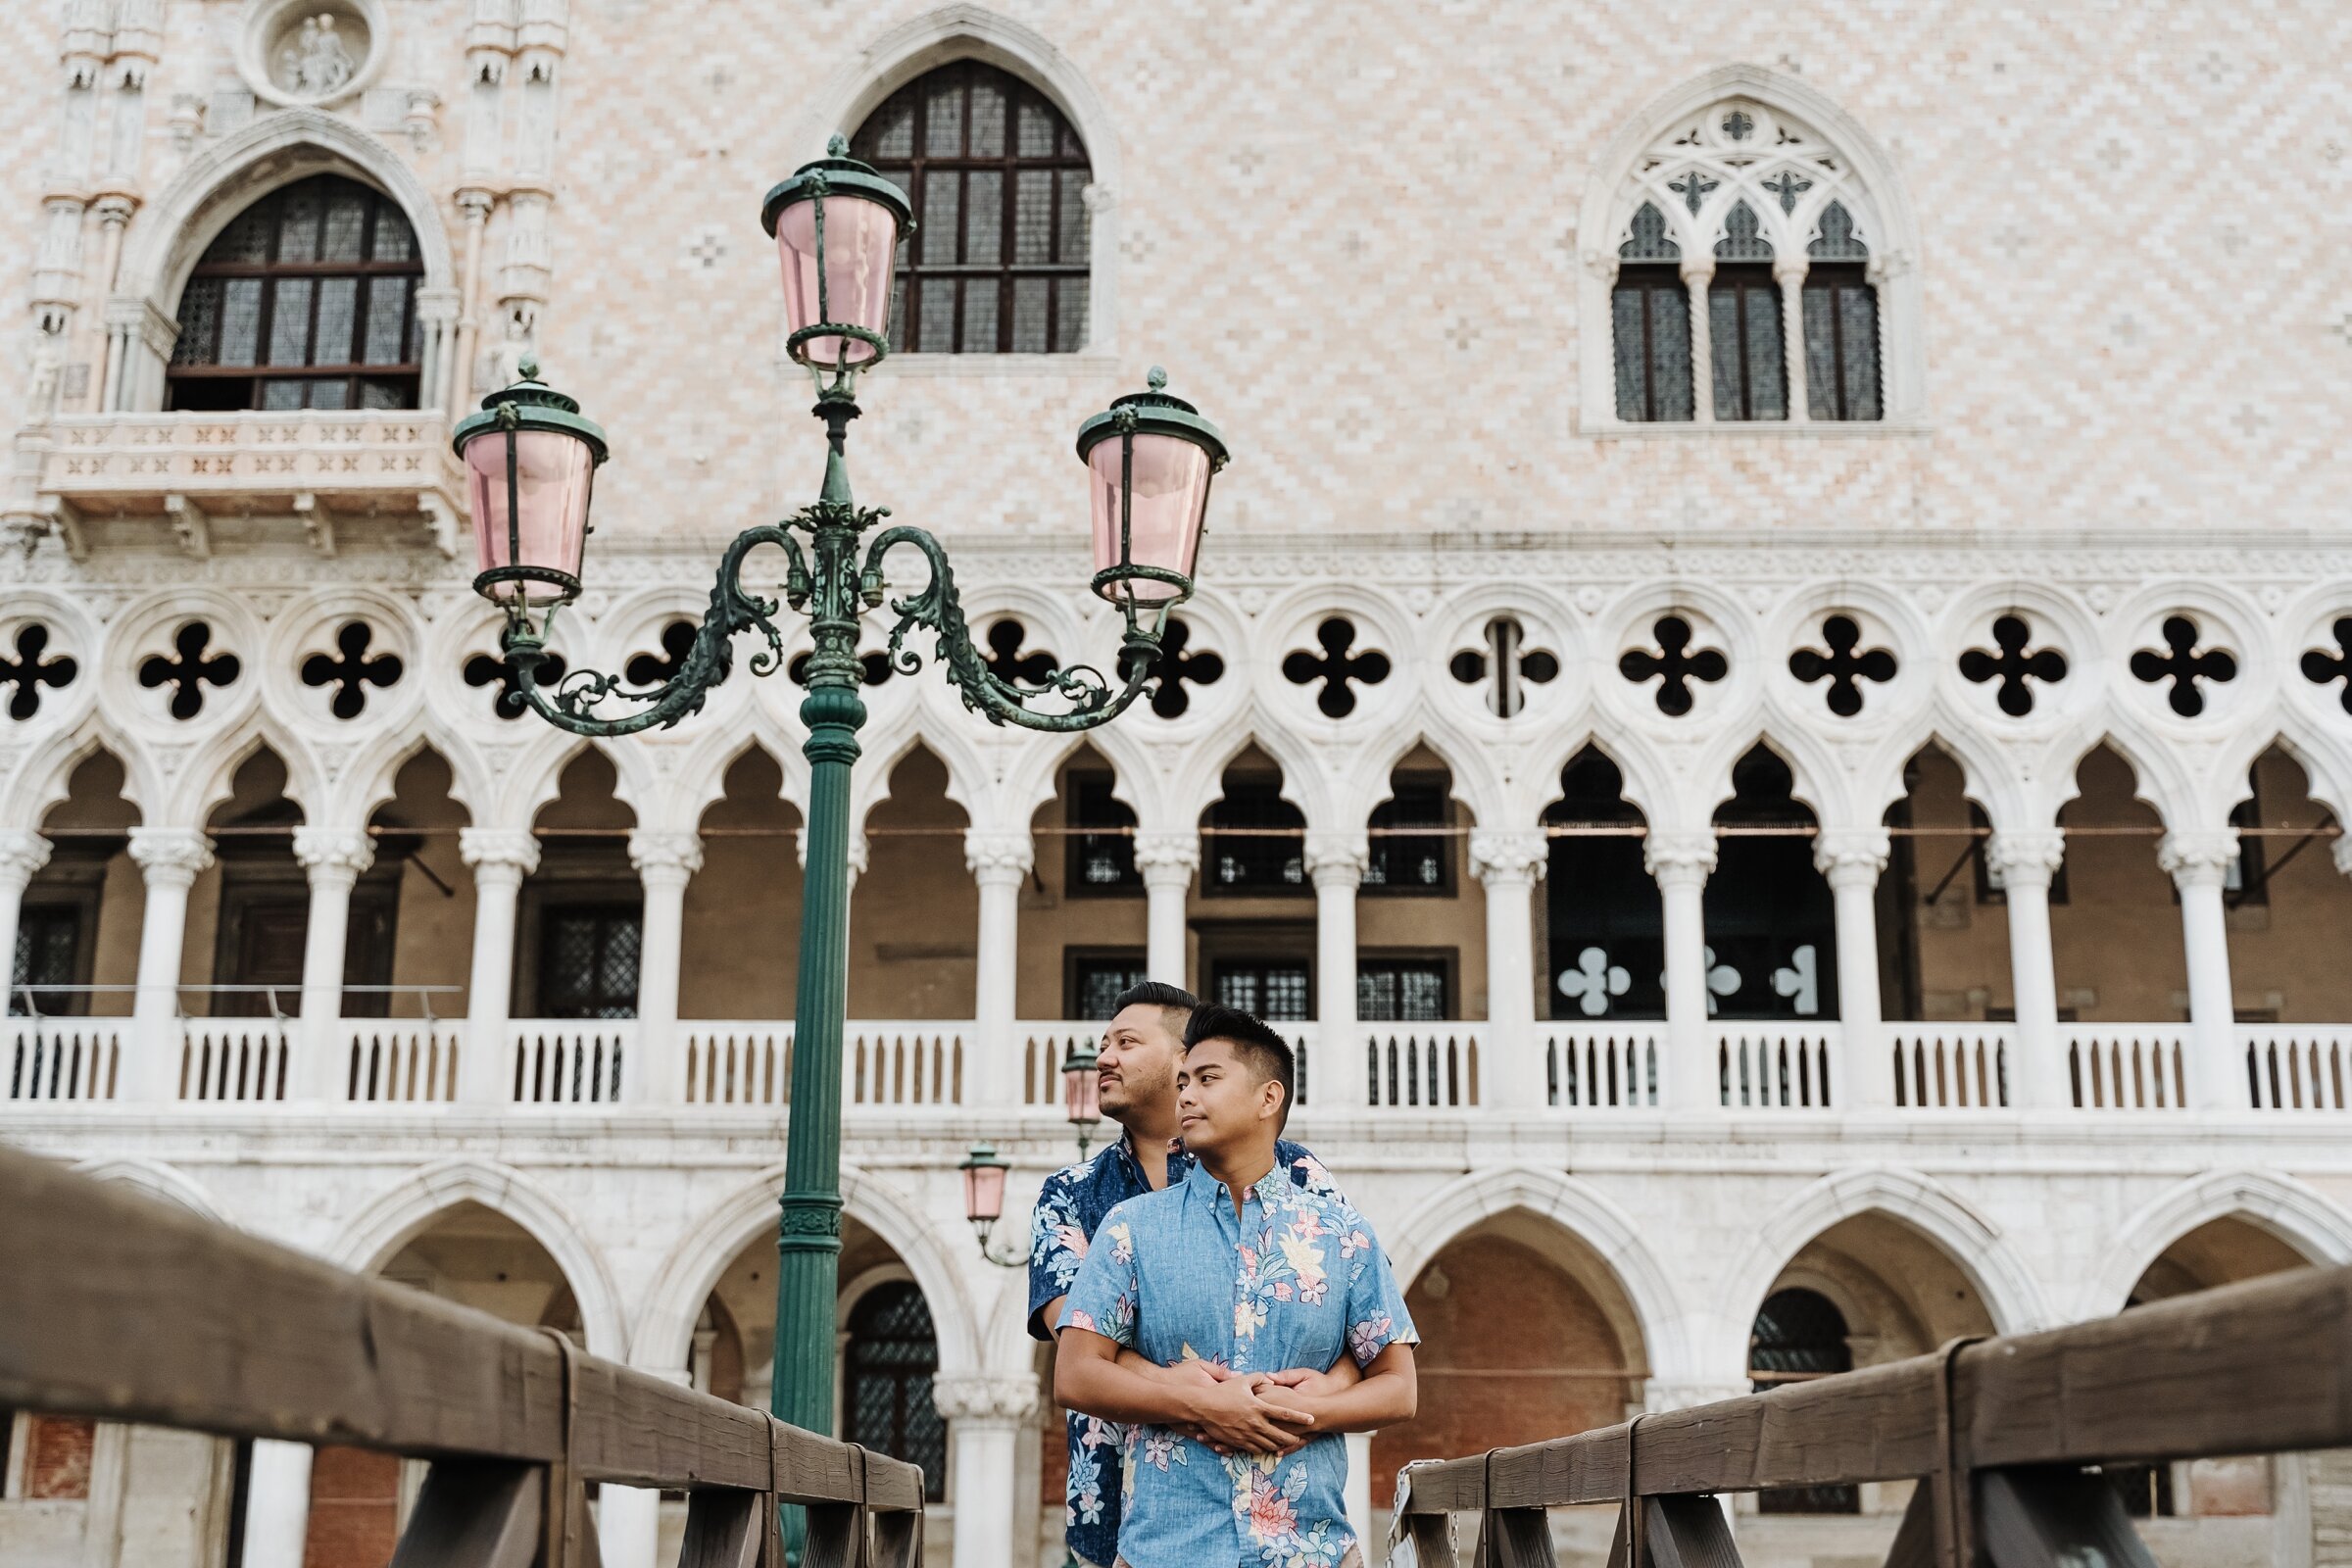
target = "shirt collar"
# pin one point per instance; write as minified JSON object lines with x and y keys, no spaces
{"x":1267,"y":1189}
{"x":1179,"y":1165}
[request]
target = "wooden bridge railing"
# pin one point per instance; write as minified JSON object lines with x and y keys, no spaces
{"x":1999,"y":1431}
{"x":123,"y":1308}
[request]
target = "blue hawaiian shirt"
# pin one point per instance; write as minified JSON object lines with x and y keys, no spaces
{"x":1309,"y":1283}
{"x":1069,"y":1212}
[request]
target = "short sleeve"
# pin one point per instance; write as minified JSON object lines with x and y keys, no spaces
{"x":1057,"y":1247}
{"x":1102,"y":1298}
{"x":1376,"y":1313}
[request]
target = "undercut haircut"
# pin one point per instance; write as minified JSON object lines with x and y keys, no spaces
{"x":1259,"y":1045}
{"x":1174,"y":1002}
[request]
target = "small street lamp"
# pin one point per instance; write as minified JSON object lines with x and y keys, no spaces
{"x":1081,"y":1090}
{"x":531,"y":458}
{"x":984,"y":1200}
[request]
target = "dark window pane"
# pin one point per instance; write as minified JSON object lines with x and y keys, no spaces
{"x":1267,"y":859}
{"x":943,"y":128}
{"x":338,"y":312}
{"x":199,"y":323}
{"x":1070,"y":315}
{"x":394,"y":240}
{"x":387,"y":317}
{"x":1858,"y":343}
{"x":240,"y":319}
{"x":979,"y":334}
{"x":898,"y":312}
{"x":1767,"y":384}
{"x":1743,"y":327}
{"x":938,"y":320}
{"x":346,"y":225}
{"x":984,"y":218}
{"x":988,"y":119}
{"x":1070,"y":243}
{"x":298,"y":222}
{"x":1032,"y":216}
{"x":891,"y":132}
{"x":1030,"y":305}
{"x":247,"y":236}
{"x":329,"y":393}
{"x":1101,"y":859}
{"x":283,"y":394}
{"x":290,"y":320}
{"x":1285,"y":993}
{"x":1095,"y":985}
{"x":1038,"y":125}
{"x":1647,"y":239}
{"x":1842,"y":344}
{"x":378,"y":393}
{"x":1626,"y":328}
{"x":943,"y":193}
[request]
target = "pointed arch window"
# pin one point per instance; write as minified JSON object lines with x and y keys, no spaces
{"x":1787,"y":325}
{"x":892,"y":1356}
{"x":1744,"y":324}
{"x":307,"y":300}
{"x":1841,"y":323}
{"x":1650,"y":314}
{"x":999,"y":261}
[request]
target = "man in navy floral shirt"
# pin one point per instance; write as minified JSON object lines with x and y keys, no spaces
{"x":1143,"y":1048}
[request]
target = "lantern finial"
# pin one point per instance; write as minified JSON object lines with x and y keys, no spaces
{"x":527,"y":368}
{"x":837,"y":146}
{"x":1155,"y":378}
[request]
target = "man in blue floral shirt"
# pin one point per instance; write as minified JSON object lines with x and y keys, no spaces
{"x":1143,"y":1046}
{"x":1237,"y":1266}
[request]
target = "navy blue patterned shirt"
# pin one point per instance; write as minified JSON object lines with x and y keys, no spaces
{"x":1069,"y":1209}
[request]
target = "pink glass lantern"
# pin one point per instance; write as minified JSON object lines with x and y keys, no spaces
{"x":530,"y":464}
{"x":1082,"y":1085}
{"x":983,"y":1189}
{"x":1149,"y":460}
{"x":837,"y":225}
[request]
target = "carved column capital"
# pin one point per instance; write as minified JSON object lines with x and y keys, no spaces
{"x":499,"y":854}
{"x":171,"y":857}
{"x":22,"y":853}
{"x":990,"y":1401}
{"x":2025,"y":859}
{"x":333,"y":855}
{"x":998,"y":856}
{"x":1684,"y":858}
{"x":1337,"y":859}
{"x":665,"y":860}
{"x":1851,"y":857}
{"x":1505,"y":856}
{"x":1167,"y":859}
{"x":2198,"y":859}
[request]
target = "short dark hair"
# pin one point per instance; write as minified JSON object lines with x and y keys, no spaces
{"x":1154,"y":993}
{"x":1256,"y":1043}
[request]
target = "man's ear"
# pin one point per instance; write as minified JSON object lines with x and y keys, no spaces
{"x":1269,"y":1100}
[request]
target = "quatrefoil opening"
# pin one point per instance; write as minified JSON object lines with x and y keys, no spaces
{"x":31,"y":670}
{"x":2184,"y":664}
{"x":1339,"y":669}
{"x":189,"y":669}
{"x":1842,"y":667}
{"x":2013,"y":666}
{"x":1674,"y":665}
{"x":351,"y":670}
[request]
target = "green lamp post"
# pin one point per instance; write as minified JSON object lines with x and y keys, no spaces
{"x":530,"y":460}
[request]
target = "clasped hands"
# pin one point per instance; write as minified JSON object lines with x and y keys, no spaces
{"x":1249,"y":1413}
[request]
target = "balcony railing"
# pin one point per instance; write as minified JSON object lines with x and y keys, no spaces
{"x":1444,"y":1068}
{"x":312,"y":465}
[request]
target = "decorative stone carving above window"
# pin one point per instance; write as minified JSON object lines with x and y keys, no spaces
{"x":311,"y":52}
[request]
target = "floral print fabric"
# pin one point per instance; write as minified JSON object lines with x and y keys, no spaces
{"x":1069,"y":1211}
{"x":1297,"y":1279}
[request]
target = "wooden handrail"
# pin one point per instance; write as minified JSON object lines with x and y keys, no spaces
{"x":2261,"y":1367}
{"x":124,"y":1307}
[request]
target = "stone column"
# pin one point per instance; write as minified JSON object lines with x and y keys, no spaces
{"x":21,"y":854}
{"x":2024,"y":863}
{"x":501,"y":858}
{"x":1698,"y":274}
{"x":1682,"y":862}
{"x":1336,"y":863}
{"x":278,"y":1504}
{"x":1167,"y":862}
{"x":1851,"y":859}
{"x":987,"y":1419}
{"x":2199,"y":864}
{"x":170,"y":858}
{"x":664,"y":862}
{"x":999,"y":860}
{"x":333,"y":859}
{"x":1789,"y":272}
{"x":1508,"y":862}
{"x":628,"y":1526}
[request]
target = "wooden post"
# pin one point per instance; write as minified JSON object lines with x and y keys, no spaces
{"x":474,"y":1514}
{"x":724,"y":1528}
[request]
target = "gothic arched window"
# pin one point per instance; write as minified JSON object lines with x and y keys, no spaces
{"x":307,"y":300}
{"x":886,"y":1393}
{"x":1841,"y":323}
{"x":998,"y":263}
{"x":1799,"y":1335}
{"x":1650,"y":312}
{"x":1781,"y":214}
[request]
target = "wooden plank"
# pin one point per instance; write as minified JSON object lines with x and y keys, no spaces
{"x":898,"y":1539}
{"x":1516,"y":1538}
{"x":723,"y":1528}
{"x":123,"y":1308}
{"x":1915,"y":1538}
{"x":1689,"y":1531}
{"x":2055,"y":1517}
{"x":2260,"y":1367}
{"x":474,"y":1514}
{"x":836,"y":1537}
